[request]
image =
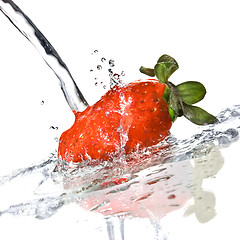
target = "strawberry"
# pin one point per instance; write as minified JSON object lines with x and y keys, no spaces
{"x":133,"y":117}
{"x":125,"y":118}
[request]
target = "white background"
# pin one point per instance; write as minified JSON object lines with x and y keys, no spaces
{"x":203,"y":36}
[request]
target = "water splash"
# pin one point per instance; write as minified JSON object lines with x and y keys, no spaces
{"x":105,"y":73}
{"x":156,"y":183}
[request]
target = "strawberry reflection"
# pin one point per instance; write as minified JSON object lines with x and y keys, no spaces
{"x":151,"y":188}
{"x":204,"y":201}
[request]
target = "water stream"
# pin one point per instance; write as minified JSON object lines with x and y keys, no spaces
{"x":155,"y":184}
{"x":28,"y":29}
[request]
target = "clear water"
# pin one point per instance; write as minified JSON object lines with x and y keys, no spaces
{"x":28,"y":29}
{"x":155,"y":184}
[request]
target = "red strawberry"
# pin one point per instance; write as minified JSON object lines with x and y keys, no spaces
{"x":135,"y":116}
{"x":126,"y":118}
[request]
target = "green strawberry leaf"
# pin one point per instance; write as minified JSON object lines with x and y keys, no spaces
{"x":197,"y":115}
{"x":148,"y":71}
{"x":191,"y":92}
{"x":165,"y":67}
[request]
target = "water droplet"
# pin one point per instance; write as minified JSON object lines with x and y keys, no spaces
{"x":115,"y":80}
{"x":54,"y":128}
{"x":111,"y":63}
{"x":42,"y":102}
{"x":104,"y":86}
{"x":232,"y":133}
{"x":91,"y":70}
{"x":99,"y":67}
{"x":116,"y":76}
{"x":95,"y":51}
{"x":96,"y":83}
{"x":103,"y":59}
{"x":122,"y":73}
{"x":223,"y":141}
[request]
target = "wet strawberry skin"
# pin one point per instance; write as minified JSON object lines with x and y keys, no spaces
{"x":124,"y":120}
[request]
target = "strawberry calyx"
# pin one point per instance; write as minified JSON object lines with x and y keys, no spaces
{"x":181,"y":97}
